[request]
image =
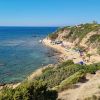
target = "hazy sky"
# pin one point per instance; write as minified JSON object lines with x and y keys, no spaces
{"x":48,"y":12}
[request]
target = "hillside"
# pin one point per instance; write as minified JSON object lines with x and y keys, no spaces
{"x":83,"y":35}
{"x":53,"y":82}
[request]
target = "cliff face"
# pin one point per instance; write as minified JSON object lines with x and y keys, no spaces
{"x":83,"y":35}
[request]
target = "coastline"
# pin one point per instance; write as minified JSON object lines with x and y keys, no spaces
{"x":30,"y":77}
{"x":66,"y":54}
{"x":36,"y":72}
{"x":63,"y":54}
{"x":71,"y":54}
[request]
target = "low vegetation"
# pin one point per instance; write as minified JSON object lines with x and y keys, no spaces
{"x":66,"y":74}
{"x":36,"y":90}
{"x":94,"y":38}
{"x":53,"y":36}
{"x":71,"y":80}
{"x":78,"y":32}
{"x":52,"y":80}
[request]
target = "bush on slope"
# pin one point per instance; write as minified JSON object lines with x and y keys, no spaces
{"x":36,"y":90}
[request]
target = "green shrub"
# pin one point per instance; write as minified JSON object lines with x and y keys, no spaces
{"x":53,"y":36}
{"x":68,"y":82}
{"x":92,"y":68}
{"x":66,"y":63}
{"x":56,"y":75}
{"x":81,"y":31}
{"x":7,"y":94}
{"x":36,"y":90}
{"x":61,"y":77}
{"x":47,"y":69}
{"x":94,"y":38}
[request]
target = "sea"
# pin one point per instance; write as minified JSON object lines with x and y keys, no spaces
{"x":21,"y":52}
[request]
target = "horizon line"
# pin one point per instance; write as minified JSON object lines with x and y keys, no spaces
{"x":28,"y":26}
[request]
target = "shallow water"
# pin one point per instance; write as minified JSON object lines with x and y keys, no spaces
{"x":21,"y":53}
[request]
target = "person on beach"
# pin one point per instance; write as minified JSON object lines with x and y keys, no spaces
{"x":81,"y":53}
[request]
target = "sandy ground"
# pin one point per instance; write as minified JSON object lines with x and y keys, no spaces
{"x":67,"y":53}
{"x":94,"y":58}
{"x":10,"y":86}
{"x":72,"y":54}
{"x":37,"y":73}
{"x":83,"y":90}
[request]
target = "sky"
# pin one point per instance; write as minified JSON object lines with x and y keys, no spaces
{"x":48,"y":12}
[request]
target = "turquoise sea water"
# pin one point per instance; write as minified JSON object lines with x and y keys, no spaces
{"x":21,"y":53}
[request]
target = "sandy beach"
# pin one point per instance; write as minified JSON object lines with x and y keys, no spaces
{"x":70,"y":54}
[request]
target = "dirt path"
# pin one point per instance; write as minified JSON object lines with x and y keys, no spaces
{"x":83,"y":90}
